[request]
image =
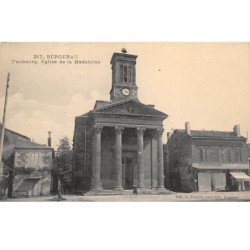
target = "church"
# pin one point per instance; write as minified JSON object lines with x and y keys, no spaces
{"x":117,"y":146}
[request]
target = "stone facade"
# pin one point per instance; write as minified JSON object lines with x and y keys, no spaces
{"x":32,"y":167}
{"x":118,"y":145}
{"x":205,"y":160}
{"x":27,"y":166}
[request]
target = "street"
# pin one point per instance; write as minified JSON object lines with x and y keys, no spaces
{"x":174,"y":197}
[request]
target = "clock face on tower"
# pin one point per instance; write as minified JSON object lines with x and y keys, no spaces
{"x":125,"y":91}
{"x":123,"y":77}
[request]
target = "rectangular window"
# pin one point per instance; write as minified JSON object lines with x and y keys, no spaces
{"x":226,"y":155}
{"x":125,"y":72}
{"x":129,"y":74}
{"x":237,"y":155}
{"x":214,"y":155}
{"x":33,"y":160}
{"x":201,"y":155}
{"x":207,"y":154}
{"x":233,"y":155}
{"x":121,"y":73}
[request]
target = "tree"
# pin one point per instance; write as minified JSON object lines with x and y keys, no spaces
{"x":64,"y":164}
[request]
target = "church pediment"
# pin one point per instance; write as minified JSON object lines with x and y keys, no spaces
{"x":130,"y":107}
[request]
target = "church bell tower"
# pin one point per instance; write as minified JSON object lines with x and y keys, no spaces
{"x":123,"y":76}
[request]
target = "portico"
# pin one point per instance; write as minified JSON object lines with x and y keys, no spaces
{"x":119,"y":154}
{"x":127,"y":150}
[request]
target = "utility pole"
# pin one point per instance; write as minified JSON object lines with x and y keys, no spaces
{"x":3,"y":124}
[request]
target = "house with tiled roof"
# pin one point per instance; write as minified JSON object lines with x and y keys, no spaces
{"x":202,"y":160}
{"x":27,"y":166}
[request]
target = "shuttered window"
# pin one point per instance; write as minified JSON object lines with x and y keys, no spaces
{"x":214,"y":155}
{"x":226,"y":155}
{"x":237,"y":155}
{"x":201,"y":155}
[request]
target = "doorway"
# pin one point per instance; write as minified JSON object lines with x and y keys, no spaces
{"x":211,"y":181}
{"x":128,"y":172}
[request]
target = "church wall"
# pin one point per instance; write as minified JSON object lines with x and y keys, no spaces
{"x":107,"y":158}
{"x":150,"y":161}
{"x":147,"y":161}
{"x":81,"y":168}
{"x":154,"y":163}
{"x":129,"y":145}
{"x":116,"y":73}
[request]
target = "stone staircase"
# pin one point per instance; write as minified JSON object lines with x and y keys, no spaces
{"x":162,"y":191}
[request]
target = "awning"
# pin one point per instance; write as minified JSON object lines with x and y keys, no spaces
{"x":241,"y":176}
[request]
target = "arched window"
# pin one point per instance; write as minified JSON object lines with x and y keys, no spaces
{"x":121,"y":73}
{"x":129,"y":74}
{"x":125,"y":74}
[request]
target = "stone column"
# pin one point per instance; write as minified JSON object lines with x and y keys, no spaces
{"x":140,"y":158}
{"x":97,"y":159}
{"x":118,"y":157}
{"x":92,"y":155}
{"x":160,"y":165}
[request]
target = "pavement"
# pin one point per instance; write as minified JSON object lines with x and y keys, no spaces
{"x":173,"y":197}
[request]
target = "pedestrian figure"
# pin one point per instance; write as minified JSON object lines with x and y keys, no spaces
{"x":134,"y":190}
{"x":59,"y":191}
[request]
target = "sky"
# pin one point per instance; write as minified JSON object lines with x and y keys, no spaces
{"x":207,"y":84}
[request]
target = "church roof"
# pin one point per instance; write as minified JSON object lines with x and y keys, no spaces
{"x":84,"y":115}
{"x":129,"y":106}
{"x":122,"y":55}
{"x":100,"y":103}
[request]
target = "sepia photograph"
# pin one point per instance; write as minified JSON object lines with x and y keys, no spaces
{"x":125,"y":121}
{"x":124,"y":124}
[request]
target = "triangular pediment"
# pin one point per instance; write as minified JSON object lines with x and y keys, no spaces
{"x":129,"y":107}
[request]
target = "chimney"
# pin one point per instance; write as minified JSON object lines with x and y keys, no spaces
{"x":236,"y":130}
{"x":187,"y":128}
{"x":49,"y":139}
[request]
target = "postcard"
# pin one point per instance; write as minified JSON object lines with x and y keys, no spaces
{"x":125,"y":121}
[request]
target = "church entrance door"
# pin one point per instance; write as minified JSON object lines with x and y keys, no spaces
{"x":128,"y":172}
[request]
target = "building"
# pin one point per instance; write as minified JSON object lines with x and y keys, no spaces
{"x":27,"y":166}
{"x":118,"y":145}
{"x":201,"y":160}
